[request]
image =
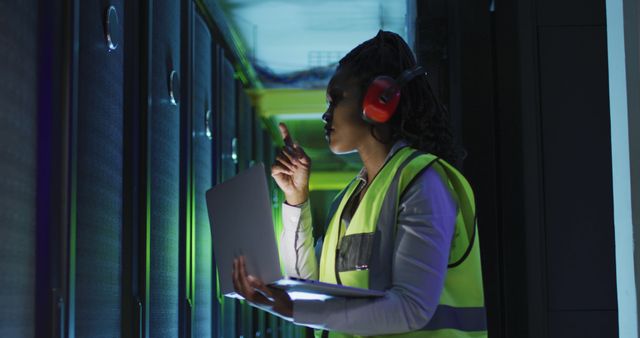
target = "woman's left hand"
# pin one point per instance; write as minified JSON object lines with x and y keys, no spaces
{"x":254,"y":290}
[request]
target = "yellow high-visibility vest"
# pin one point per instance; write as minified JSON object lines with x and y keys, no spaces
{"x":347,"y":253}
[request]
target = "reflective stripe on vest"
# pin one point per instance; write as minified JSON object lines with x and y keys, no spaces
{"x":366,"y":247}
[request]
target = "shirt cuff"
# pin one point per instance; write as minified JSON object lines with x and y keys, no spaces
{"x":296,"y":205}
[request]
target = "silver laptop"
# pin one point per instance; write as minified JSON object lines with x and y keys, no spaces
{"x":241,"y":224}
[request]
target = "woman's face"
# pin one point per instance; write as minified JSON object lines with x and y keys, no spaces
{"x":345,"y":129}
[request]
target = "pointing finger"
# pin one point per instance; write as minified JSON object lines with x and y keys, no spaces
{"x":285,"y":135}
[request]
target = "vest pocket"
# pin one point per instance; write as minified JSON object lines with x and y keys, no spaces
{"x":355,"y":252}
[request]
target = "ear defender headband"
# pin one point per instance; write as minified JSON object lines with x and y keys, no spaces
{"x":383,"y":95}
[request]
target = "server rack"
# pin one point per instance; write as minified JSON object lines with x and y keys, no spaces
{"x":119,"y":242}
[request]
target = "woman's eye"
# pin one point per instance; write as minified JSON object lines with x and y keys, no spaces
{"x":333,"y":98}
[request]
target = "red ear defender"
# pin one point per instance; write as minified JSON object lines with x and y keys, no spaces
{"x":383,"y":95}
{"x":381,"y":100}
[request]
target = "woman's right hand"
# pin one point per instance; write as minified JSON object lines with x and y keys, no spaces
{"x":291,"y":169}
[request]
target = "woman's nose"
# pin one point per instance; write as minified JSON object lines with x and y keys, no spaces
{"x":326,"y":117}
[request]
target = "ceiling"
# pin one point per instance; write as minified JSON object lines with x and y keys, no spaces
{"x":295,"y":35}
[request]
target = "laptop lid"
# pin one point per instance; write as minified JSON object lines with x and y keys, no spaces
{"x":242,"y":224}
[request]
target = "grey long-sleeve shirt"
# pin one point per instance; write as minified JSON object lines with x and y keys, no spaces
{"x":426,"y":220}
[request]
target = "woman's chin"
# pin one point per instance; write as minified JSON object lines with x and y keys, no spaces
{"x":339,"y":150}
{"x":333,"y":148}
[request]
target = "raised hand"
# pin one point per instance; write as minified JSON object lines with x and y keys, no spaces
{"x":291,"y":169}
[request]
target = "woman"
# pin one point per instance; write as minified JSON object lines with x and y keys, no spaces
{"x":413,"y":236}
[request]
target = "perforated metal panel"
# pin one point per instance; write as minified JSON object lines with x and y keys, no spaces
{"x":18,"y":130}
{"x":228,"y":167}
{"x":245,"y":134}
{"x":99,"y":175}
{"x":245,"y":131}
{"x":203,"y":122}
{"x":164,"y":119}
{"x":259,"y":137}
{"x":229,"y":144}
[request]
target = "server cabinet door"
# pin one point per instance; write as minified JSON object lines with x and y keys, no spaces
{"x":228,"y":165}
{"x":259,"y":316}
{"x":99,"y":170}
{"x":203,"y":177}
{"x":229,"y":146}
{"x":258,"y":141}
{"x":244,"y":144}
{"x":245,"y":130}
{"x":164,"y":169}
{"x":18,"y":131}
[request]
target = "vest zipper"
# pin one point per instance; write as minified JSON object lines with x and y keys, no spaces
{"x":335,"y":263}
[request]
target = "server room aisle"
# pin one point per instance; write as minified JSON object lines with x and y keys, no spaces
{"x":118,"y":116}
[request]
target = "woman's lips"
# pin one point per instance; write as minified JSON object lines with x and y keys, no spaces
{"x":327,"y":133}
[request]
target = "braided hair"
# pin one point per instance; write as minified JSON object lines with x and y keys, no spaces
{"x":420,"y":118}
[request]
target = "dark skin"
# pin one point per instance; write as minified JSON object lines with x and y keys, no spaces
{"x":349,"y":132}
{"x":255,"y":291}
{"x":346,"y":132}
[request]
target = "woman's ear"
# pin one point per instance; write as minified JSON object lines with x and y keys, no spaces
{"x":381,"y":132}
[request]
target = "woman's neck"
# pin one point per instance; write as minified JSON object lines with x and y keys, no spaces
{"x":373,"y":154}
